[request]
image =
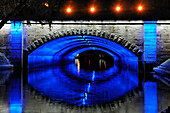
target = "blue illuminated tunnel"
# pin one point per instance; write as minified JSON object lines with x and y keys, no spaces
{"x":54,"y":59}
{"x":66,"y":48}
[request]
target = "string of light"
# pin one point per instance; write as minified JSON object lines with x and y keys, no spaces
{"x":92,"y":9}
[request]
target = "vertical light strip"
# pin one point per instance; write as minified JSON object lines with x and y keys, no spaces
{"x":16,"y":54}
{"x":150,"y":97}
{"x":15,"y":96}
{"x":16,"y":42}
{"x":22,"y":64}
{"x":150,"y":41}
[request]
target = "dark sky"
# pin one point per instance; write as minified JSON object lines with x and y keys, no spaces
{"x":105,"y":10}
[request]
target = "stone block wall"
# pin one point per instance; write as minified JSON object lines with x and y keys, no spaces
{"x":5,"y":34}
{"x":134,"y":33}
{"x":163,"y":43}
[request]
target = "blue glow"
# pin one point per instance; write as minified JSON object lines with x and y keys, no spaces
{"x":16,"y":41}
{"x":93,"y":76}
{"x":85,"y":94}
{"x":78,"y":86}
{"x":72,"y":70}
{"x":15,"y":96}
{"x":150,"y":22}
{"x":66,"y":48}
{"x":62,"y":83}
{"x":57,"y":45}
{"x":15,"y":108}
{"x":151,"y":97}
{"x":88,"y":89}
{"x":83,"y":102}
{"x":40,"y":60}
{"x":150,"y":41}
{"x":16,"y":50}
{"x":16,"y":27}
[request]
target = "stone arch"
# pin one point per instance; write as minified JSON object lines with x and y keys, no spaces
{"x":90,"y":32}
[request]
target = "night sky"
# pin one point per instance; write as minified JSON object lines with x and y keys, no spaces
{"x":80,"y":10}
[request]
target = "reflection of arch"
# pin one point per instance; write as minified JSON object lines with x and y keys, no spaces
{"x":65,"y":45}
{"x":111,"y":36}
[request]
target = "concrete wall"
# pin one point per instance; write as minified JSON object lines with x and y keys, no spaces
{"x":131,"y":32}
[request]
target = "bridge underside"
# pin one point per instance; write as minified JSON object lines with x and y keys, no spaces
{"x":61,"y":53}
{"x":64,"y":50}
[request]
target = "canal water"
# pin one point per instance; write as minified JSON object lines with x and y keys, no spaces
{"x":93,"y":79}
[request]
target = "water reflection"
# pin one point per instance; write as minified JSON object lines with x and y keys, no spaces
{"x":151,"y":97}
{"x":71,"y":84}
{"x":94,"y":60}
{"x":88,"y":89}
{"x":77,"y":63}
{"x":12,"y":84}
{"x":15,"y":94}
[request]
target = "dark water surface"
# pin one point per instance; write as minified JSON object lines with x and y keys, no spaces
{"x":70,"y":83}
{"x":92,"y":79}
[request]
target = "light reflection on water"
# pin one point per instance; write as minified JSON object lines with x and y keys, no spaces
{"x":12,"y":83}
{"x":151,"y":97}
{"x":56,"y":82}
{"x":71,"y":84}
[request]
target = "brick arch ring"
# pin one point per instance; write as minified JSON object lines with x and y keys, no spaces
{"x":90,"y":32}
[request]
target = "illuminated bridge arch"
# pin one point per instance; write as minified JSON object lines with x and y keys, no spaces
{"x":68,"y":43}
{"x":62,"y":47}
